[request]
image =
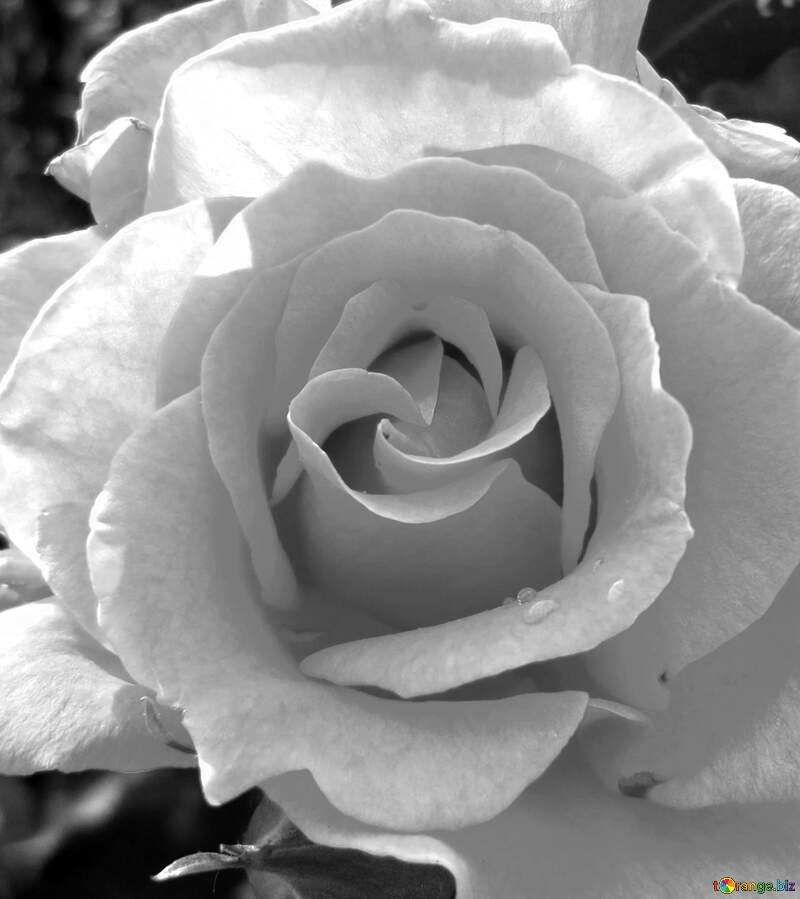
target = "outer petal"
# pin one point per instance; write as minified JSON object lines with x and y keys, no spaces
{"x":128,"y":77}
{"x":67,"y":702}
{"x":436,"y":84}
{"x":732,"y":731}
{"x":771,"y":225}
{"x":30,"y":273}
{"x":109,"y":171}
{"x":603,"y":35}
{"x":568,"y":836}
{"x":735,"y":367}
{"x":84,"y":378}
{"x":178,"y":601}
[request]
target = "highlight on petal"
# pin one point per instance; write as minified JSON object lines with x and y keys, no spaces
{"x":67,"y":702}
{"x":625,"y":847}
{"x":771,"y":225}
{"x":83,"y":379}
{"x":109,"y":171}
{"x":438,"y":84}
{"x":30,"y":273}
{"x":251,"y":714}
{"x":601,"y":35}
{"x":277,"y":228}
{"x":128,"y":77}
{"x":640,"y":535}
{"x":730,"y":734}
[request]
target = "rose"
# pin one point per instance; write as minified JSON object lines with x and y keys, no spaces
{"x":155,"y":385}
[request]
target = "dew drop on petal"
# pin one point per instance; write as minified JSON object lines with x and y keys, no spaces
{"x":526,"y":595}
{"x":638,"y":785}
{"x":616,"y":590}
{"x":538,"y":611}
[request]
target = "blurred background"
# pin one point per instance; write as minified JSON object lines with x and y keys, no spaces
{"x":97,"y":835}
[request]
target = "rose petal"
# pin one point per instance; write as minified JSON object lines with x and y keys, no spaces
{"x":526,"y":300}
{"x":461,"y":419}
{"x":416,"y":368}
{"x":238,"y":391}
{"x":526,"y":400}
{"x":83,"y":379}
{"x":30,"y":273}
{"x":420,"y":558}
{"x":109,"y":171}
{"x":252,"y":715}
{"x":384,"y":313}
{"x":626,"y":847}
{"x":421,"y":554}
{"x":731,"y":731}
{"x":349,"y":393}
{"x":336,"y":398}
{"x":128,"y":77}
{"x":437,"y":83}
{"x":771,"y":225}
{"x":734,"y":367}
{"x":604,"y":36}
{"x":67,"y":702}
{"x":748,"y":149}
{"x":277,"y":227}
{"x":640,"y":535}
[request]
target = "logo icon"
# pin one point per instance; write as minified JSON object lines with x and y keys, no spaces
{"x":727,"y":885}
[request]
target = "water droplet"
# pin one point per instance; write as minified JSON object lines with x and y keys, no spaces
{"x":598,"y":563}
{"x":526,"y":595}
{"x":538,"y":611}
{"x":638,"y":785}
{"x":616,"y":590}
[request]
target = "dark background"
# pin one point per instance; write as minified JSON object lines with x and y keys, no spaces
{"x":97,"y":835}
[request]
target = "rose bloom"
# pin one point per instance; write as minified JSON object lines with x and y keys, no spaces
{"x":418,"y":428}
